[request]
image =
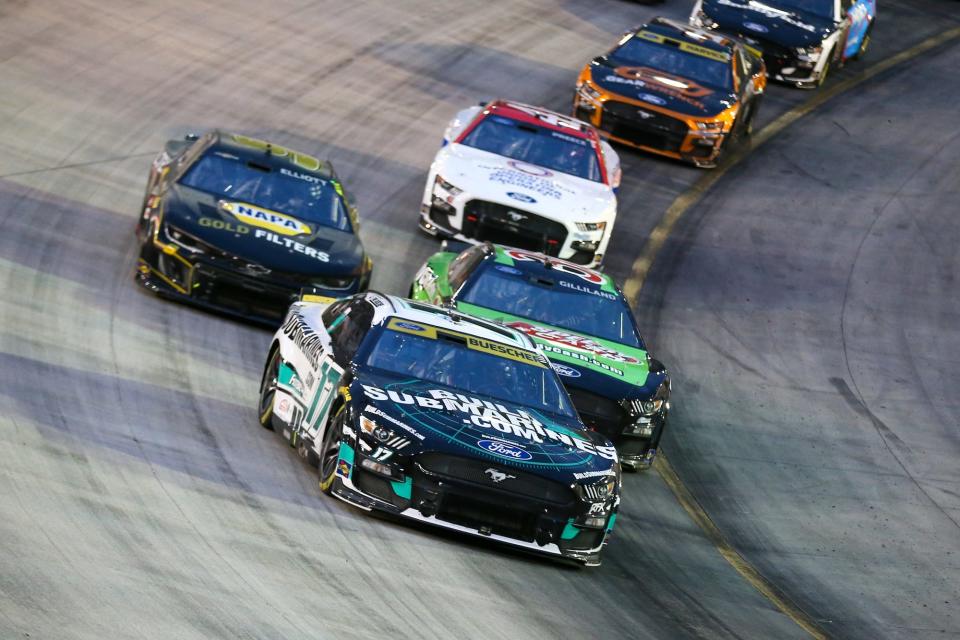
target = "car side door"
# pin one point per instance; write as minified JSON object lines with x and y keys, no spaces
{"x":346,"y":323}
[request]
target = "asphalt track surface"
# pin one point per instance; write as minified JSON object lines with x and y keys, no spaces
{"x":808,"y":307}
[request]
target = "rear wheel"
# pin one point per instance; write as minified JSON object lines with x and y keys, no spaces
{"x":268,"y":389}
{"x":330,"y":450}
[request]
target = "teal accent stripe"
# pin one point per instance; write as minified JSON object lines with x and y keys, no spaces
{"x":613,"y":518}
{"x":403,"y":489}
{"x":286,"y":374}
{"x":569,"y":531}
{"x":346,"y":452}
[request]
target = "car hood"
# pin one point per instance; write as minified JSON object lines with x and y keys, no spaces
{"x":555,"y":195}
{"x":756,"y":20}
{"x":638,"y":83}
{"x":270,"y":239}
{"x":602,"y":366}
{"x":451,"y":421}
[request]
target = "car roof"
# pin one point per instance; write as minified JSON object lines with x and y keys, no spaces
{"x":544,"y":266}
{"x":684,"y":32}
{"x":388,"y":306}
{"x":273,"y":155}
{"x":541,"y":117}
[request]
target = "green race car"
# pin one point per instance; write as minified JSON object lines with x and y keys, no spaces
{"x":579,"y":318}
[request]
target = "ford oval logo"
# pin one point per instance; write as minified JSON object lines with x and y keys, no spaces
{"x":505,"y":450}
{"x":564,"y":370}
{"x":409,"y":325}
{"x":753,"y":26}
{"x":522,"y":197}
{"x":646,"y":97}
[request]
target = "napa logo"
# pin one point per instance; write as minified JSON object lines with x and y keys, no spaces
{"x":265,"y":219}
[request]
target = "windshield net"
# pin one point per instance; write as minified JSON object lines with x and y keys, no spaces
{"x":559,"y":302}
{"x":669,"y":58}
{"x":299,"y":194}
{"x":536,"y":145}
{"x":449,"y":362}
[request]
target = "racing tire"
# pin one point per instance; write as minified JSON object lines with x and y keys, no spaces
{"x":824,"y":73}
{"x":268,"y":388}
{"x":330,"y":450}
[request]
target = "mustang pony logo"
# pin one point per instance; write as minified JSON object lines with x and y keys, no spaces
{"x":497,"y":476}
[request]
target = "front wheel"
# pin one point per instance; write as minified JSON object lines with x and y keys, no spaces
{"x":268,"y":389}
{"x":330,"y":450}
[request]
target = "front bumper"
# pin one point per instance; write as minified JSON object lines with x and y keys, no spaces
{"x":218,"y":284}
{"x":542,"y":527}
{"x":469,"y":219}
{"x":653,"y":131}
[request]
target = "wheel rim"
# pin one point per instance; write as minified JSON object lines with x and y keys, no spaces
{"x":330,"y":453}
{"x":268,"y":387}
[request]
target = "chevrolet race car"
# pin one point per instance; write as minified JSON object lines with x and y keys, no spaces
{"x":524,"y":176}
{"x":241,"y":226}
{"x":800,"y":39}
{"x":673,"y":90}
{"x":427,"y":414}
{"x":577,"y":317}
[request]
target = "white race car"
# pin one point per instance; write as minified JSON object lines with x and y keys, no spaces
{"x":524,"y":177}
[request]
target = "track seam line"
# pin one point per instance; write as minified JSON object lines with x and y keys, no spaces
{"x":651,"y":249}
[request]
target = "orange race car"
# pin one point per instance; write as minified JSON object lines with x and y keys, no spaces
{"x":674,"y":90}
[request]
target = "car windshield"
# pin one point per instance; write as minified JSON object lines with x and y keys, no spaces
{"x":560,"y":302}
{"x":541,"y":146}
{"x":822,"y":8}
{"x":300,"y":194}
{"x":448,"y":361}
{"x":702,"y":69}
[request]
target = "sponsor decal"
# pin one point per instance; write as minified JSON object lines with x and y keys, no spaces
{"x":677,"y":87}
{"x":266,"y":219}
{"x":569,"y":138}
{"x":583,"y":475}
{"x":652,"y":99}
{"x":583,"y":289}
{"x":409,"y":325}
{"x":572,"y":340}
{"x":562,"y":265}
{"x":386,"y":416}
{"x":522,"y":197}
{"x":497,"y":476}
{"x":588,"y":359}
{"x":292,"y":245}
{"x":505,"y":450}
{"x":535,"y":183}
{"x":306,"y":177}
{"x":283,"y":407}
{"x":489,"y":416}
{"x":223,"y":225}
{"x":564,"y":370}
{"x":531,"y":169}
{"x":472,"y":342}
{"x":769,"y":12}
{"x":301,"y":159}
{"x":343,"y":468}
{"x":753,"y":26}
{"x":688,"y":47}
{"x":304,"y":338}
{"x":505,"y":269}
{"x":597,"y":509}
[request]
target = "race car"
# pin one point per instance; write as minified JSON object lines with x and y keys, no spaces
{"x":241,"y":226}
{"x":427,"y":414}
{"x":800,"y":39}
{"x":524,"y":176}
{"x":673,"y":90}
{"x":579,"y":318}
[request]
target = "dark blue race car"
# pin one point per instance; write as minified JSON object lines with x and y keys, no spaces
{"x":241,"y":226}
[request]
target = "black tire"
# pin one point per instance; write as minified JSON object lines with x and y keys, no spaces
{"x":330,"y":450}
{"x":268,"y":388}
{"x":825,"y":72}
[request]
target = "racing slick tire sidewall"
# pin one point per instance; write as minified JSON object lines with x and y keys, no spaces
{"x":268,"y":388}
{"x":332,"y":437}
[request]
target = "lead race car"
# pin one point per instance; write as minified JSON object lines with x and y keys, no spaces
{"x":580,"y":319}
{"x":427,"y":414}
{"x":241,"y":226}
{"x":800,"y":39}
{"x":524,"y":176}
